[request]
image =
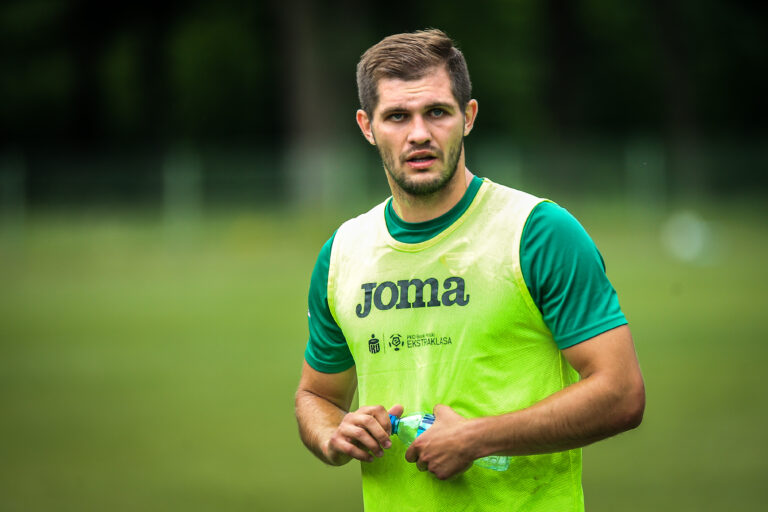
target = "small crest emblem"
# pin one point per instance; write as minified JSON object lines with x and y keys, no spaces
{"x":373,"y":344}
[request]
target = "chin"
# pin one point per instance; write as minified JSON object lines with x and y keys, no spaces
{"x":423,"y":184}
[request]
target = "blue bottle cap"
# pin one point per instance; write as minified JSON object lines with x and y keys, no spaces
{"x":394,"y":421}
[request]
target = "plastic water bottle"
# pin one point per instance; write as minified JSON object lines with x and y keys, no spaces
{"x":408,"y":428}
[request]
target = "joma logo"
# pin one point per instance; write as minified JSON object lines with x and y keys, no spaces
{"x":387,"y":295}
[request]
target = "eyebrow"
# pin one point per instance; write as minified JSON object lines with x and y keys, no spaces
{"x":430,"y":106}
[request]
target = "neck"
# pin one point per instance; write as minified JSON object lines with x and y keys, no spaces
{"x":423,"y":208}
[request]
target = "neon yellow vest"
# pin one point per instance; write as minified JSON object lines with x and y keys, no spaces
{"x":451,"y":321}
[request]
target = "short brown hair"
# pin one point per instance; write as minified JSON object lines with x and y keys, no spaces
{"x":410,"y":56}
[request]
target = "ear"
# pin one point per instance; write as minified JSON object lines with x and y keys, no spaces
{"x":364,"y":122}
{"x":470,"y":113}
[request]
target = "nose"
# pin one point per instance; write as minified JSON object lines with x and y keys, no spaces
{"x":419,"y":133}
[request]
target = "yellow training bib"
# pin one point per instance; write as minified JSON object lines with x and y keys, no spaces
{"x":450,"y":320}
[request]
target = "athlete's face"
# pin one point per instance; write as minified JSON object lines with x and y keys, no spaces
{"x":419,"y":131}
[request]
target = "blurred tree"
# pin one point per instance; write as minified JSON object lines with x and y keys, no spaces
{"x":680,"y":97}
{"x":280,"y":75}
{"x":37,"y":78}
{"x":565,"y":47}
{"x":317,"y":74}
{"x":216,"y":75}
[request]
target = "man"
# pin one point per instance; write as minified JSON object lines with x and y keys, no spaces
{"x":483,"y":304}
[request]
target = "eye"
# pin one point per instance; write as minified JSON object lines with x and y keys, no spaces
{"x":437,"y":112}
{"x":397,"y":117}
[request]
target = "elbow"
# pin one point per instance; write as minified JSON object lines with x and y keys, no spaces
{"x":632,"y":408}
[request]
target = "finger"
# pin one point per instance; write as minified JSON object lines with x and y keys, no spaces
{"x":378,"y":425}
{"x":351,"y":449}
{"x":412,"y":453}
{"x":361,"y":435}
{"x":445,"y":412}
{"x":444,"y":475}
{"x":422,"y":465}
{"x":441,"y":410}
{"x":396,"y":410}
{"x":382,"y":418}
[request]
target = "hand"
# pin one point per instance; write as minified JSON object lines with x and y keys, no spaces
{"x":362,"y":434}
{"x":441,"y":450}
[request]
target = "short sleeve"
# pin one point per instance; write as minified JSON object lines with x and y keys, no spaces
{"x":566,"y":277}
{"x":327,"y":350}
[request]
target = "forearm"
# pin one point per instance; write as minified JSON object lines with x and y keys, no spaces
{"x":318,"y":419}
{"x":585,"y":412}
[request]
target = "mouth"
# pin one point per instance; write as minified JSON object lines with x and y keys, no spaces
{"x":420,"y":159}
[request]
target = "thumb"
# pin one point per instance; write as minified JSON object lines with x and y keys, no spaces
{"x":396,"y":410}
{"x":443,"y":410}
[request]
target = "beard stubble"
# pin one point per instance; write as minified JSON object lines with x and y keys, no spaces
{"x":423,"y":188}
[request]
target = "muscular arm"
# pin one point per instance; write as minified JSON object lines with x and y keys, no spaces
{"x":326,"y":426}
{"x":322,"y":400}
{"x":609,"y":399}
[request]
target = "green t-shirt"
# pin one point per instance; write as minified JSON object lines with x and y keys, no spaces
{"x":562,"y":268}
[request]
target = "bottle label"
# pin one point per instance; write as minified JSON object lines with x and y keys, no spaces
{"x":426,"y":422}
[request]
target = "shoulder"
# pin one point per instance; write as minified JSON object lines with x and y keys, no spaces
{"x":323,"y":258}
{"x":510,"y":208}
{"x":362,"y":230}
{"x":550,"y":222}
{"x":565,"y":274}
{"x":364,"y":220}
{"x":554,"y":240}
{"x":509,"y":195}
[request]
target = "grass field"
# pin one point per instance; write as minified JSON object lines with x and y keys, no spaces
{"x":152,"y":367}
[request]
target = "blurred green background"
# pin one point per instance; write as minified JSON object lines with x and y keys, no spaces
{"x":169,"y":172}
